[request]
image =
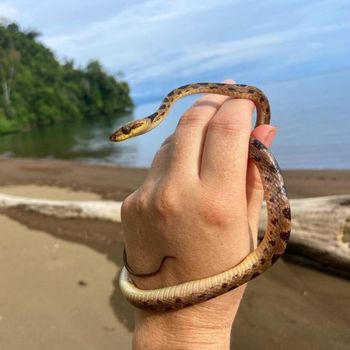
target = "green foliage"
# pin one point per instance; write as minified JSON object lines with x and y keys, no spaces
{"x":6,"y":126}
{"x":35,"y":89}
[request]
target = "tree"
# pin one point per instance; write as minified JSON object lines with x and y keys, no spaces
{"x":9,"y":58}
{"x":36,"y":89}
{"x":33,"y":34}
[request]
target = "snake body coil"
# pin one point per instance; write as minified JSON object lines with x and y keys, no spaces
{"x":278,"y":227}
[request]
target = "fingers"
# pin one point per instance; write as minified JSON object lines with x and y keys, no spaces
{"x":186,"y":145}
{"x":225,"y":152}
{"x":254,"y":189}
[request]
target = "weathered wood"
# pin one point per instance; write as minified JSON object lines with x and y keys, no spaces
{"x":320,"y":230}
{"x":320,"y":226}
{"x":103,"y":210}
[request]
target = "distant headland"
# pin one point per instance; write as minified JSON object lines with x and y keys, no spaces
{"x":37,"y":90}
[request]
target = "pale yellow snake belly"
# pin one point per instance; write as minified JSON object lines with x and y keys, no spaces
{"x":278,"y":227}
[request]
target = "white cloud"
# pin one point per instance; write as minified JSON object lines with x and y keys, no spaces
{"x":200,"y":58}
{"x":135,"y":19}
{"x":8,"y":11}
{"x":157,"y":40}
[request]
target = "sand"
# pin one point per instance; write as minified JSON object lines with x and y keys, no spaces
{"x":55,"y":294}
{"x":115,"y":183}
{"x":49,"y":192}
{"x":59,"y":276}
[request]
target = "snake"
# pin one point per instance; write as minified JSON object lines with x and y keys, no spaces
{"x":278,"y":227}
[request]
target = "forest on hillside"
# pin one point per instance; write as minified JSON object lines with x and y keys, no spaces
{"x":36,"y":89}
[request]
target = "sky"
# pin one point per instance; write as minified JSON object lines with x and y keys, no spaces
{"x":159,"y":45}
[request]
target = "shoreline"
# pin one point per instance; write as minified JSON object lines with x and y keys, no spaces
{"x":114,"y":182}
{"x":63,"y":273}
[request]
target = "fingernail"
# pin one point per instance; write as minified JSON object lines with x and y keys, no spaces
{"x":269,"y":136}
{"x":229,"y":81}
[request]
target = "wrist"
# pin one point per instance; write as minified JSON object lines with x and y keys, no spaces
{"x":203,"y":326}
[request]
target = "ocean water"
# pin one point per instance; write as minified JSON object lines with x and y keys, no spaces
{"x":312,"y":116}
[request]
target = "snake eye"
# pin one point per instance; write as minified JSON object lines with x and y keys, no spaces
{"x":126,"y":130}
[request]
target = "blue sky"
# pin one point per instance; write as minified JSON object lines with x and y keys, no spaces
{"x":162,"y":44}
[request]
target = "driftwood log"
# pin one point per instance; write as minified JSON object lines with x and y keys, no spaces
{"x":320,"y":231}
{"x":103,"y":210}
{"x":320,"y":226}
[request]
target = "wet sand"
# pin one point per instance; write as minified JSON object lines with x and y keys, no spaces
{"x":115,"y":183}
{"x":58,"y":276}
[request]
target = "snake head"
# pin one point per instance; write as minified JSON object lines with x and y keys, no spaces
{"x":121,"y":134}
{"x":130,"y":130}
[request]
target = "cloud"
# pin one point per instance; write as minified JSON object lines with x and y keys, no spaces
{"x":153,"y":38}
{"x":199,"y":58}
{"x":8,"y":11}
{"x":135,"y":19}
{"x":154,"y":41}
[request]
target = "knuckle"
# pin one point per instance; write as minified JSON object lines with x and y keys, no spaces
{"x":217,"y":211}
{"x":165,"y":202}
{"x":135,"y":203}
{"x":227,"y":125}
{"x":141,"y":201}
{"x":191,"y":117}
{"x":215,"y":215}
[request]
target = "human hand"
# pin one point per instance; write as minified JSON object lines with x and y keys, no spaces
{"x":200,"y":203}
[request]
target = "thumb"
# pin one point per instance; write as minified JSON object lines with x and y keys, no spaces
{"x":254,"y":190}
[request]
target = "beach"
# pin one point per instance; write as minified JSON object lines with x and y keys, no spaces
{"x":59,"y":276}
